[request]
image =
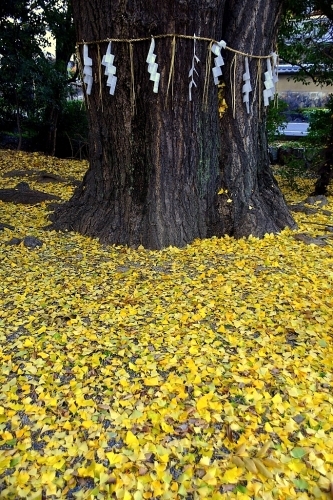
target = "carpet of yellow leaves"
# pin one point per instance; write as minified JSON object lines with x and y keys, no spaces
{"x":195,"y":373}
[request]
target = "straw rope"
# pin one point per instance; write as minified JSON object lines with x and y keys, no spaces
{"x":170,"y":35}
{"x":172,"y":70}
{"x":132,"y":79}
{"x":211,"y":41}
{"x":207,"y":76}
{"x":233,"y":68}
{"x":99,"y":75}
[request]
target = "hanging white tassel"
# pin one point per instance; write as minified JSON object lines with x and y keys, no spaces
{"x":269,"y":85}
{"x":218,"y":61}
{"x":110,"y":69}
{"x":87,"y":70}
{"x":275,"y":70}
{"x":247,"y":85}
{"x":153,"y":66}
{"x":195,"y":59}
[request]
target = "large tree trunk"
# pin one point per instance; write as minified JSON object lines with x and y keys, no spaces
{"x":156,"y":169}
{"x":257,"y":205}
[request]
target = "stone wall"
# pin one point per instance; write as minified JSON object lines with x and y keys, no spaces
{"x":300,"y":100}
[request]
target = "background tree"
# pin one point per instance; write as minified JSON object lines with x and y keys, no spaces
{"x":32,"y":83}
{"x":156,"y":169}
{"x":306,"y":39}
{"x":20,"y":35}
{"x":59,"y":20}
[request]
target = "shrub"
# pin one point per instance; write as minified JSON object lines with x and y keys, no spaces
{"x":72,"y":134}
{"x":275,"y":119}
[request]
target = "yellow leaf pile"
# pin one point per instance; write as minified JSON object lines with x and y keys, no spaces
{"x":195,"y":373}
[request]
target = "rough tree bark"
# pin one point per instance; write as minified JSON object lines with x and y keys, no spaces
{"x":257,"y":205}
{"x":155,"y":174}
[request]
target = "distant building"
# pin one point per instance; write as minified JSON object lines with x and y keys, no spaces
{"x":316,"y":29}
{"x":299,"y":95}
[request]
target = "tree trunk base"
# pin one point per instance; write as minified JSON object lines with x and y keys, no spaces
{"x":268,"y":213}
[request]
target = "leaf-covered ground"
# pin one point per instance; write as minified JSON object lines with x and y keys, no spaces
{"x":200,"y":373}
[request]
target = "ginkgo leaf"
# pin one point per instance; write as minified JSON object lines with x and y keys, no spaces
{"x":200,"y":371}
{"x":301,"y":484}
{"x":152,"y":381}
{"x":131,"y":440}
{"x":232,"y":475}
{"x":48,"y":476}
{"x":114,"y":458}
{"x":298,"y":452}
{"x":202,"y":403}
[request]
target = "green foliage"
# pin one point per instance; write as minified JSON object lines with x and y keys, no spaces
{"x":6,"y":114}
{"x":73,"y":131}
{"x":74,"y":119}
{"x":302,"y":158}
{"x":58,"y":18}
{"x":20,"y":34}
{"x":292,"y":153}
{"x":275,"y":119}
{"x":305,"y":39}
{"x":34,"y":88}
{"x":295,"y":163}
{"x":320,"y":123}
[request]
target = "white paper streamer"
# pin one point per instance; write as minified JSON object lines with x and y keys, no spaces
{"x":153,"y":66}
{"x":247,"y":85}
{"x":269,"y":84}
{"x":87,"y":69}
{"x":195,"y":59}
{"x":218,"y":61}
{"x":275,"y":70}
{"x":110,"y":69}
